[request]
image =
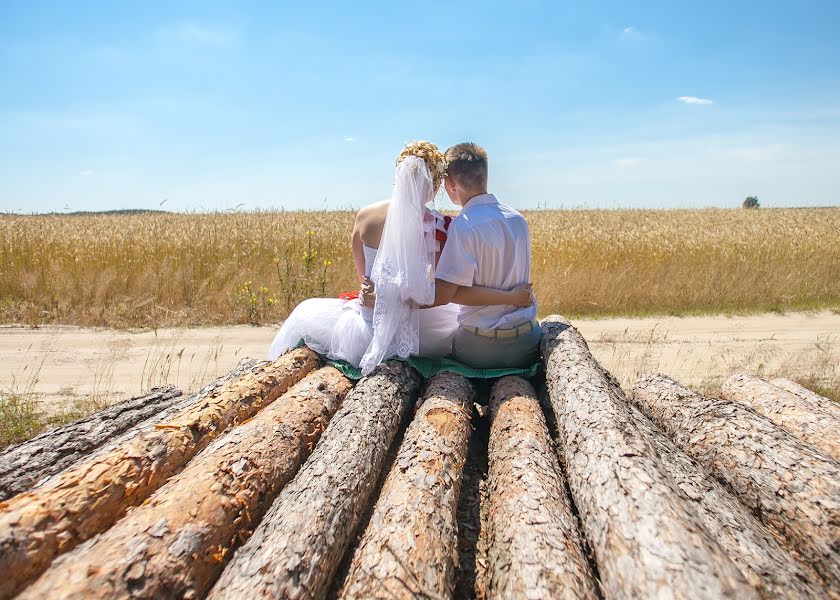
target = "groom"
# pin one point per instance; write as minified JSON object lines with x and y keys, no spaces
{"x":488,"y":244}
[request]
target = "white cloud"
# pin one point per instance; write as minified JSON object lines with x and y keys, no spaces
{"x":86,"y":172}
{"x":193,"y":33}
{"x":349,"y":140}
{"x":631,"y":33}
{"x":628,"y":162}
{"x":694,"y":100}
{"x":760,"y":153}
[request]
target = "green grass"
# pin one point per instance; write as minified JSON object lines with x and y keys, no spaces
{"x":19,"y":419}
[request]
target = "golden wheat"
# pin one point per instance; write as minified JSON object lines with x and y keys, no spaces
{"x":159,"y":269}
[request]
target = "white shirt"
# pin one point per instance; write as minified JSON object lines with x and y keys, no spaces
{"x":488,"y":245}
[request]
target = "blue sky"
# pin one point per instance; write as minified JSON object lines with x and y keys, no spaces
{"x":214,"y":106}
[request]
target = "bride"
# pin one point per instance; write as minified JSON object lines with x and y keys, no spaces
{"x":396,"y":245}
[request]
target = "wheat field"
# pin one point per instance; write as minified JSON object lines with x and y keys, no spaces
{"x":170,"y":269}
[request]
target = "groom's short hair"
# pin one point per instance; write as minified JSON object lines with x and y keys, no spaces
{"x":466,"y":163}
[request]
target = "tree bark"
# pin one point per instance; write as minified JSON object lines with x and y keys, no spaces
{"x":762,"y":559}
{"x":409,"y":548}
{"x":22,"y":466}
{"x":297,"y":548}
{"x":791,"y":486}
{"x":645,"y":535}
{"x":814,"y":399}
{"x":177,"y":543}
{"x":89,"y":497}
{"x":535,"y":547}
{"x":805,"y":420}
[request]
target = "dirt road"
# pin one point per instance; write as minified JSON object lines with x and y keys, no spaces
{"x":66,"y":363}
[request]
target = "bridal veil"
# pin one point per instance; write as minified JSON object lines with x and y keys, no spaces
{"x":403,"y":271}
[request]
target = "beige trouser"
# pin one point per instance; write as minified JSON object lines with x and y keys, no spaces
{"x":482,"y":352}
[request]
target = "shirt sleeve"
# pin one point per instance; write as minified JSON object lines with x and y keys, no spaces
{"x":457,"y":262}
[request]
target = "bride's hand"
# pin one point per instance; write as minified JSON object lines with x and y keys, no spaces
{"x":367,"y":295}
{"x":523,"y":295}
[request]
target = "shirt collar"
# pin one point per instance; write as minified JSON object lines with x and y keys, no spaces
{"x":479,"y":200}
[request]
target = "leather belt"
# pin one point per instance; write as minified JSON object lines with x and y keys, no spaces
{"x":501,"y":334}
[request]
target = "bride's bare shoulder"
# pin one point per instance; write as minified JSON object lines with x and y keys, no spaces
{"x":373,"y":211}
{"x":369,"y":222}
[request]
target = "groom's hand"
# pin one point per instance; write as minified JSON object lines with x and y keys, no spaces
{"x":523,"y":295}
{"x":367,"y":293}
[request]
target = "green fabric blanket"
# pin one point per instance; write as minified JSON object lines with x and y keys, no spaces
{"x":429,"y":367}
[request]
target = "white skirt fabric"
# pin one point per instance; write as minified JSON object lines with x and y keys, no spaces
{"x":342,"y":329}
{"x":437,"y":330}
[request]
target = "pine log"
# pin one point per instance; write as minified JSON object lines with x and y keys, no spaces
{"x":645,"y":535}
{"x":751,"y":545}
{"x":89,"y":497}
{"x":177,"y":543}
{"x":296,"y":550}
{"x":535,"y":547}
{"x":791,"y":486}
{"x":23,"y":465}
{"x":804,"y":420}
{"x":409,"y":548}
{"x":808,"y":396}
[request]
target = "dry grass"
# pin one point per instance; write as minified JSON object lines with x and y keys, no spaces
{"x":25,"y":412}
{"x":632,"y":355}
{"x":20,"y":418}
{"x":22,"y":414}
{"x":686,"y":261}
{"x":161,"y":269}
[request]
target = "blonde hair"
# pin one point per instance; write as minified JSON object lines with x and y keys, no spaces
{"x":430,"y":154}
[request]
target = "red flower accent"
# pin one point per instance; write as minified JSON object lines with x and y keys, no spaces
{"x":441,"y":235}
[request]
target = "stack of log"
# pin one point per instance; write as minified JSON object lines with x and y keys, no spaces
{"x":288,"y":480}
{"x":56,"y":449}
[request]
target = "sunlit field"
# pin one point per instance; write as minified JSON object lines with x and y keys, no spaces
{"x":165,"y":269}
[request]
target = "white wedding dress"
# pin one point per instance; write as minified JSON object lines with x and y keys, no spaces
{"x":343,"y":329}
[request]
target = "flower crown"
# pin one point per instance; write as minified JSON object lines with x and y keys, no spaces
{"x":430,"y":154}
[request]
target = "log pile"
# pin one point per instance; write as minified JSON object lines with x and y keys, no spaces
{"x":296,"y":550}
{"x":284,"y":480}
{"x":177,"y":543}
{"x":809,"y":420}
{"x":762,"y":559}
{"x":408,"y":549}
{"x":22,"y":466}
{"x":644,"y":533}
{"x":89,"y":497}
{"x":811,"y":399}
{"x":535,"y":548}
{"x":792,"y":486}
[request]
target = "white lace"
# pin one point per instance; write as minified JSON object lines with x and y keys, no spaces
{"x":403,"y":272}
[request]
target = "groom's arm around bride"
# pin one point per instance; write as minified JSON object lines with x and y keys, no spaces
{"x":488,"y":245}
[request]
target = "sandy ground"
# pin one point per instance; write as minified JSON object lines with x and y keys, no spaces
{"x":63,"y":364}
